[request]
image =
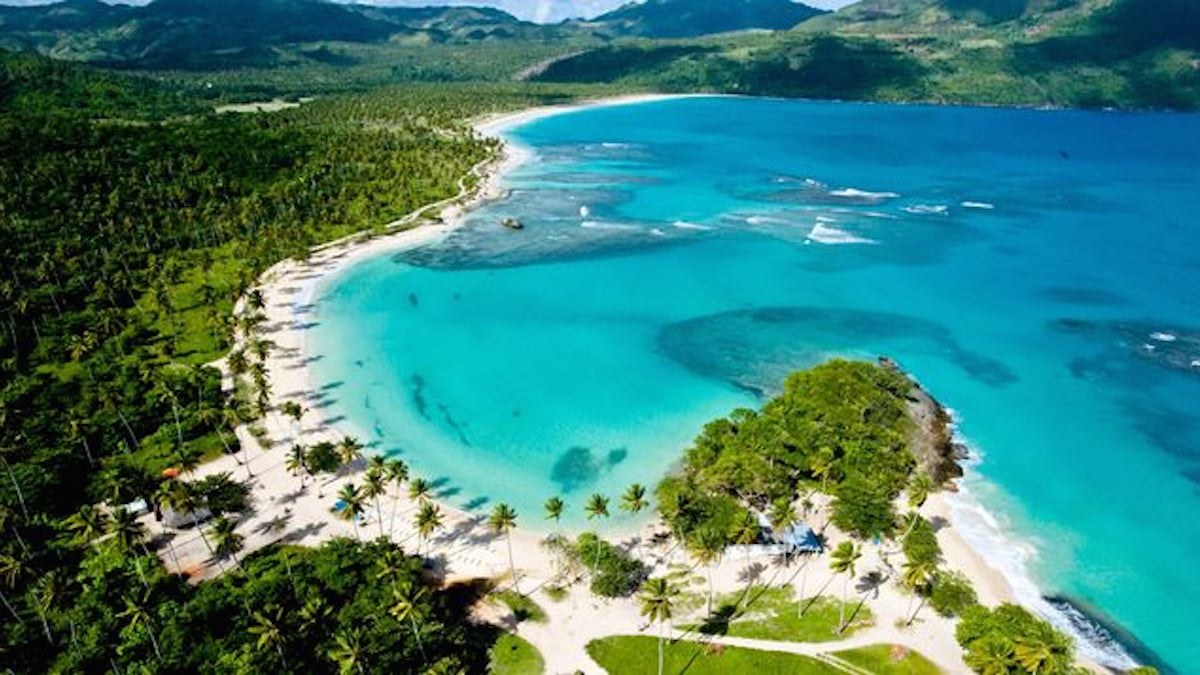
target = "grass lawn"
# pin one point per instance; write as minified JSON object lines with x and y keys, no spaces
{"x":513,"y":656}
{"x":628,"y":655}
{"x":523,"y":607}
{"x":774,"y":614}
{"x":888,"y":660}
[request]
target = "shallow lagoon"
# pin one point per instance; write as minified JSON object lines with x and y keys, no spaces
{"x":1036,"y":270}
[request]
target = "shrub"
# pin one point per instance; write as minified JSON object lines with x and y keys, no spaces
{"x":952,"y":593}
{"x":1009,"y":638}
{"x":617,"y":575}
{"x":921,"y":544}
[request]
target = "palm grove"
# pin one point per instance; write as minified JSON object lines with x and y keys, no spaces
{"x":133,"y":220}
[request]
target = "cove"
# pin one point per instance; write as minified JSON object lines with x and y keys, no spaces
{"x":1036,"y":270}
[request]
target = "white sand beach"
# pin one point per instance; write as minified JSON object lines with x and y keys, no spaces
{"x":465,"y":548}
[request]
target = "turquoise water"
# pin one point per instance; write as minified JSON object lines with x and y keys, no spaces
{"x":1036,"y":270}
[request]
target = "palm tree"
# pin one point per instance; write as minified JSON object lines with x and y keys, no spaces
{"x":234,"y":416}
{"x":349,"y":451}
{"x":352,"y":506}
{"x":87,"y":523}
{"x":657,"y":603}
{"x":920,"y":486}
{"x":918,"y":577}
{"x":1044,"y":652}
{"x":293,"y":410}
{"x":44,"y":595}
{"x":634,"y":499}
{"x":410,"y":604}
{"x":374,"y":487}
{"x":554,"y":509}
{"x":137,"y":612}
{"x":429,"y":520}
{"x":419,"y":490}
{"x":187,"y":461}
{"x":314,"y":616}
{"x":503,"y":520}
{"x":747,"y":534}
{"x":919,"y":489}
{"x":184,"y":498}
{"x":237,"y":363}
{"x":268,"y":628}
{"x":708,"y":550}
{"x":125,"y":529}
{"x":396,"y":472}
{"x":321,"y":458}
{"x":349,"y":652}
{"x":390,"y":565}
{"x":991,"y":655}
{"x":843,"y":561}
{"x":228,"y":541}
{"x":783,"y":514}
{"x":297,"y":462}
{"x":12,"y":570}
{"x":596,"y":507}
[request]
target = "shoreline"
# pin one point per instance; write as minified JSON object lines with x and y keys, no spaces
{"x":291,"y":287}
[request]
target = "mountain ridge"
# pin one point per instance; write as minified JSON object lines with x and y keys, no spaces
{"x":691,"y":18}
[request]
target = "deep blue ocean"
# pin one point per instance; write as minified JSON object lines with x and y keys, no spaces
{"x":1037,"y":271}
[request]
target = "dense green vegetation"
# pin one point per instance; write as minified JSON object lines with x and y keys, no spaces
{"x":636,"y":656}
{"x":614,"y":573}
{"x":338,"y":608}
{"x":1089,"y":53}
{"x":683,"y":18}
{"x":211,"y":34}
{"x":1009,"y":639}
{"x":841,"y":427}
{"x":132,"y":221}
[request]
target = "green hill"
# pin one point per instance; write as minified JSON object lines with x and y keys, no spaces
{"x":208,"y":34}
{"x":1088,"y":53}
{"x":690,"y":18}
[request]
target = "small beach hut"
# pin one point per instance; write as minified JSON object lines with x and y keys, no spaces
{"x":800,"y":538}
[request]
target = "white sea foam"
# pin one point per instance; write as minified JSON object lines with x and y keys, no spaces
{"x":585,"y":212}
{"x":657,"y":232}
{"x":978,"y":205}
{"x":599,"y":225}
{"x":992,"y":538}
{"x":855,"y":192}
{"x":927,"y":209}
{"x":684,"y":225}
{"x":766,"y":220}
{"x":823,"y":234}
{"x":616,"y":146}
{"x":826,"y":219}
{"x":1163,"y":337}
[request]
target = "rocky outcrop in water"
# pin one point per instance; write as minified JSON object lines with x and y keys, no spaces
{"x":932,"y":444}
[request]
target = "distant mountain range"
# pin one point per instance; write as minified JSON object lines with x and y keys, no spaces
{"x":690,"y":18}
{"x":212,"y":33}
{"x":1093,"y":53}
{"x":208,"y":33}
